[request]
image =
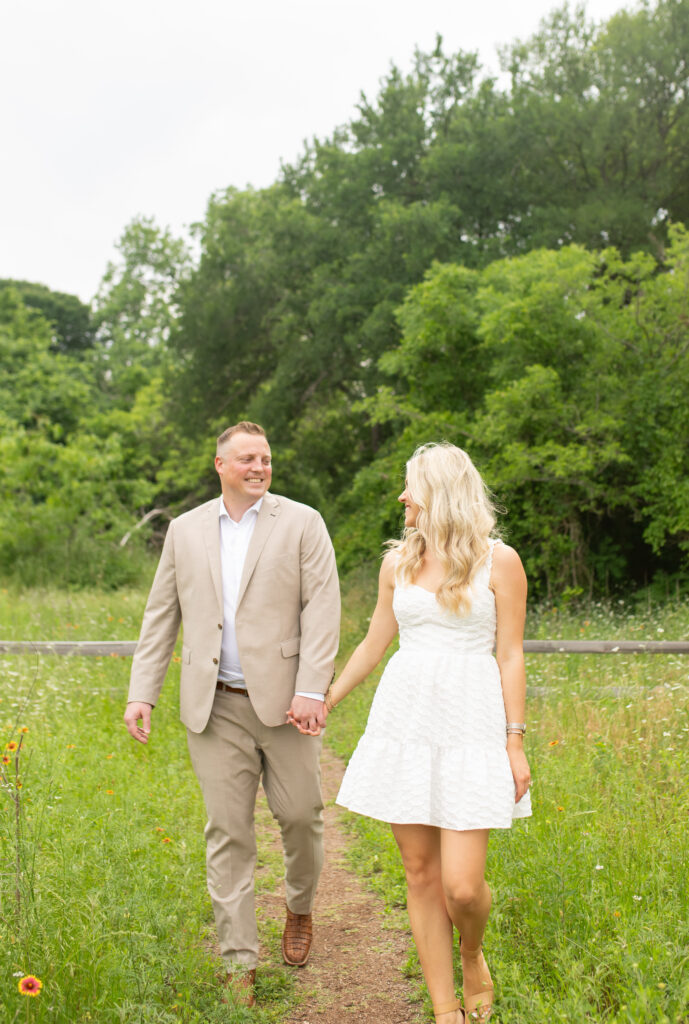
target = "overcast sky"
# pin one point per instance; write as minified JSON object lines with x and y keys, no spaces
{"x":109,"y":110}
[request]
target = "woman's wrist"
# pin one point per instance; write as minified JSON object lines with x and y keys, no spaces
{"x":515,"y":739}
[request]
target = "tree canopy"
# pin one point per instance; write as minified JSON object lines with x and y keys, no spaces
{"x":501,"y":265}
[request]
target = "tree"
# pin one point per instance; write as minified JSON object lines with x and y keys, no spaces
{"x":600,"y":128}
{"x":136,"y":310}
{"x":70,"y":319}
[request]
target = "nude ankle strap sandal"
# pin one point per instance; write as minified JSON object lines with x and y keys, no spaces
{"x":479,"y":1005}
{"x":442,"y":1009}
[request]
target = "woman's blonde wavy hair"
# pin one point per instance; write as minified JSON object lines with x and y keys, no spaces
{"x":455,"y":522}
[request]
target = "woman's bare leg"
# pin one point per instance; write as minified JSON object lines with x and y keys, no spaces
{"x":420,"y":847}
{"x":468,"y":900}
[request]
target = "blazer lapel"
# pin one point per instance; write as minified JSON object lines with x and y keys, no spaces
{"x":211,"y":536}
{"x":267,"y":517}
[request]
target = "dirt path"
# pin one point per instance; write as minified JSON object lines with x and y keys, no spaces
{"x":355,"y":969}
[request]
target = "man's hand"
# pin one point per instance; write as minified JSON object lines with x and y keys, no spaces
{"x":308,"y":715}
{"x":136,"y":711}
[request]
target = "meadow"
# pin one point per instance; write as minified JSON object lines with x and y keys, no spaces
{"x":101,"y":844}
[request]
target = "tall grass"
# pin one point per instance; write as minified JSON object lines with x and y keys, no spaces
{"x":114,"y":917}
{"x":590,"y":920}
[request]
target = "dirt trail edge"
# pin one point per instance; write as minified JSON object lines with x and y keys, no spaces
{"x":355,"y":968}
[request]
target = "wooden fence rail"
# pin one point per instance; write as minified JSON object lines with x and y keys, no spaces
{"x":125,"y":648}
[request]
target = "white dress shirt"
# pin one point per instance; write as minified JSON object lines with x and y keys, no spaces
{"x":235,"y":538}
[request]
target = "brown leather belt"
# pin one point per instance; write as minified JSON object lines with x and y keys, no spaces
{"x":226,"y":688}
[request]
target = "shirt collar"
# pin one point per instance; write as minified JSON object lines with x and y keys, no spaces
{"x":222,"y":511}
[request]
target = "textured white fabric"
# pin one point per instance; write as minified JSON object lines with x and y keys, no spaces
{"x":434,"y":749}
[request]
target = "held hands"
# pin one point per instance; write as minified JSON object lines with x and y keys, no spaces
{"x":307,"y":715}
{"x":136,"y":711}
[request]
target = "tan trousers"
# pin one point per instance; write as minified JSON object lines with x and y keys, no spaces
{"x":229,"y":757}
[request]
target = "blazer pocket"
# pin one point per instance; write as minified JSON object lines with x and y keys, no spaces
{"x":186,"y":654}
{"x":290,"y":647}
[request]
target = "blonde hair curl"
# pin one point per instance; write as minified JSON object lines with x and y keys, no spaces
{"x":455,"y":522}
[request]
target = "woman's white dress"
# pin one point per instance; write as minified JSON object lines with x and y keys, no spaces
{"x":434,"y":749}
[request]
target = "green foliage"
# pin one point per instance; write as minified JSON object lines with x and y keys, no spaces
{"x":600,"y":116}
{"x":134,"y":310}
{"x":40,"y":388}
{"x":392,"y":287}
{"x":579,"y":424}
{"x":64,"y":510}
{"x":70,"y":319}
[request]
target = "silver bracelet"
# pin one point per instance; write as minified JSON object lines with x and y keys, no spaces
{"x":519,"y":727}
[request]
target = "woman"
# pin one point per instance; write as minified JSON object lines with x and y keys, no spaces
{"x":442,"y":757}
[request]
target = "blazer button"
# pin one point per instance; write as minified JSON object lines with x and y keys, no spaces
{"x":215,"y":661}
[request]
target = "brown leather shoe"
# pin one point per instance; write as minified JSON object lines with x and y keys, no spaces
{"x":296,"y":939}
{"x":240,"y":987}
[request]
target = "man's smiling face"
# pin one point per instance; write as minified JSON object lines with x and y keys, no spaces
{"x":244,"y":468}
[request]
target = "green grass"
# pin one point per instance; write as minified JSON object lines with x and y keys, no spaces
{"x":114,"y":919}
{"x":590,"y":919}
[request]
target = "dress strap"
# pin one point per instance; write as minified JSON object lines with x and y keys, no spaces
{"x":492,"y":541}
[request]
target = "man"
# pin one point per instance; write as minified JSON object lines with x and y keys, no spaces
{"x":251,"y":576}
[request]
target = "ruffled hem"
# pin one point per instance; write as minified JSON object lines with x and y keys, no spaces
{"x":456,"y":788}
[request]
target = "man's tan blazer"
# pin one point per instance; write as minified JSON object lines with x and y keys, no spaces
{"x":287,"y":620}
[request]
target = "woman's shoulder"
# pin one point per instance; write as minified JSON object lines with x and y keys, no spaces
{"x":507,"y":565}
{"x":388,"y":568}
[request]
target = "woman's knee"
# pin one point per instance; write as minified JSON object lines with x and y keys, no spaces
{"x":421,"y":872}
{"x":465,"y":893}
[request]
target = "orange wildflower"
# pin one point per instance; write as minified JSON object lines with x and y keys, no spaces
{"x":30,"y":986}
{"x":12,"y":745}
{"x":553,"y":743}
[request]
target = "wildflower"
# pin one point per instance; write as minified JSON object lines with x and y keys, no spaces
{"x":553,"y":743}
{"x":30,"y":986}
{"x":637,"y":898}
{"x":560,"y":808}
{"x":110,"y":792}
{"x":19,"y":784}
{"x":25,"y":728}
{"x":12,"y":745}
{"x":159,"y":828}
{"x":6,"y":759}
{"x":109,"y":757}
{"x":599,"y":867}
{"x":167,"y":839}
{"x":616,"y":913}
{"x":71,"y":746}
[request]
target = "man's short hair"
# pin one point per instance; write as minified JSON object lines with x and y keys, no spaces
{"x":243,"y":427}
